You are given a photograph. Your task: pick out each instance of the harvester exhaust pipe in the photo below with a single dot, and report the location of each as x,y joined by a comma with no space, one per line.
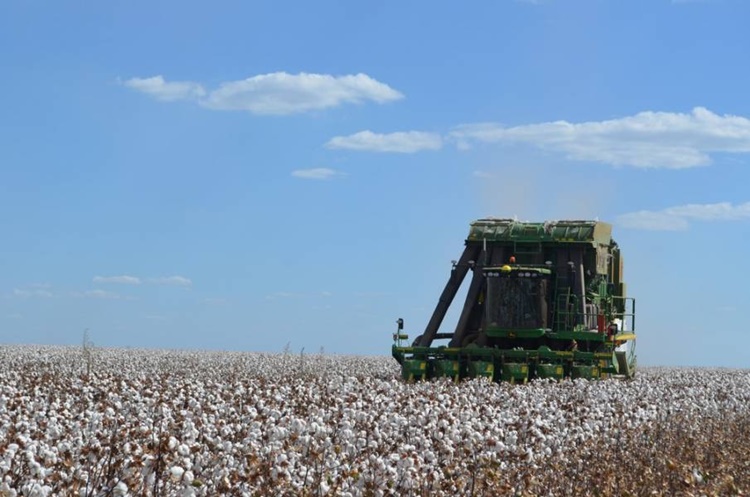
582,294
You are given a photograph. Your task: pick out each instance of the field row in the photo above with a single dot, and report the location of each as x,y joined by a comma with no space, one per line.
142,422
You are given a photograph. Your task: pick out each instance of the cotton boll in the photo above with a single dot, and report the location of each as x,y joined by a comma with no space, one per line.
7,491
36,490
120,490
175,473
356,430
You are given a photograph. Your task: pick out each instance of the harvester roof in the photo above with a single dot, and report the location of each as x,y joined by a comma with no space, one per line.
564,231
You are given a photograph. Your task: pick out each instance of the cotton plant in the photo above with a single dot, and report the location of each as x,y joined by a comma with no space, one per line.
194,423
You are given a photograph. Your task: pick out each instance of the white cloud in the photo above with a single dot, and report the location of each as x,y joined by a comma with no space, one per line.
646,140
123,279
34,292
405,142
172,280
135,280
101,294
316,173
678,218
276,93
282,93
654,221
172,91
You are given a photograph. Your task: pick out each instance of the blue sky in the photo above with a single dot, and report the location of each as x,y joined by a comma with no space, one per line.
243,175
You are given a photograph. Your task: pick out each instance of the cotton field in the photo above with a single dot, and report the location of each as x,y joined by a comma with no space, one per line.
177,423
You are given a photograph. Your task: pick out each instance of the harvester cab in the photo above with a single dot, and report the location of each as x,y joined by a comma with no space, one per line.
546,300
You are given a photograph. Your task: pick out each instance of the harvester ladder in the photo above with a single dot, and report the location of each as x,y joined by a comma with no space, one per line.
562,303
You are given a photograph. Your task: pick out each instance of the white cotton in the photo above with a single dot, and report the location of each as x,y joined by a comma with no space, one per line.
120,489
176,473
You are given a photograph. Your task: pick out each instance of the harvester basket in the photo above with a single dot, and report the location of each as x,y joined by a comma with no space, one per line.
586,372
515,372
555,371
414,370
481,369
445,368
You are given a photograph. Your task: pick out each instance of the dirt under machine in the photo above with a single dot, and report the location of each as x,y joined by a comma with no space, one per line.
546,300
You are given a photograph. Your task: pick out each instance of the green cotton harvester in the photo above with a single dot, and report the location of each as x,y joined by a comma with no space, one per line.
546,300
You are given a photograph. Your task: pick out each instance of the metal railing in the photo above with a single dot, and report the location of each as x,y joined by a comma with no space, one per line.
569,315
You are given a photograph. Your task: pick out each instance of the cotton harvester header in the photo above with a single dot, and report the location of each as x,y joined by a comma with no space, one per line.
546,300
